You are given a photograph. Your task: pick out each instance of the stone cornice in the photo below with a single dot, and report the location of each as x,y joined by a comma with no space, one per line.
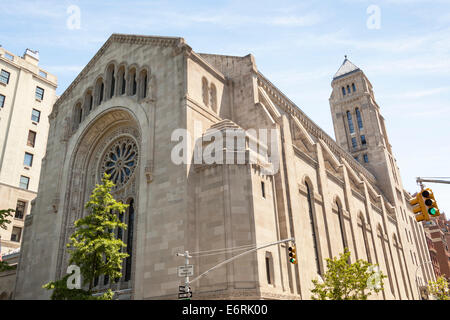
197,58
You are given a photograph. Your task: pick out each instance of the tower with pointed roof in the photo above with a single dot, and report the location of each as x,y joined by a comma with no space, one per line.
360,128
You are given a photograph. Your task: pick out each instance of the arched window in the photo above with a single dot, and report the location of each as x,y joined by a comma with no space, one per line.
385,256
78,114
350,122
348,89
99,89
313,228
111,81
133,82
88,102
213,98
343,91
205,92
358,118
341,225
130,227
122,82
143,82
364,234
353,87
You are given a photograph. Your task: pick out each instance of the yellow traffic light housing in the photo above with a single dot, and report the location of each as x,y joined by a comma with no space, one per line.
430,204
419,207
293,255
425,204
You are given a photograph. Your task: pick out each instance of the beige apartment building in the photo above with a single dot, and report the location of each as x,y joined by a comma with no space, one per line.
27,94
125,114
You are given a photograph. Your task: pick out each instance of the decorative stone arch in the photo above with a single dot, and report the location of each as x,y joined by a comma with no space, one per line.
88,100
99,90
213,97
132,81
205,91
337,203
110,79
143,80
309,189
121,83
77,114
87,154
362,224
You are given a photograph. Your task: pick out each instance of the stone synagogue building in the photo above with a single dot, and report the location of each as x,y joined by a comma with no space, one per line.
118,116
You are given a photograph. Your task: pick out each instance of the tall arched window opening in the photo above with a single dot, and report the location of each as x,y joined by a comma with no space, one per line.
130,227
341,225
205,91
359,119
213,98
350,122
313,228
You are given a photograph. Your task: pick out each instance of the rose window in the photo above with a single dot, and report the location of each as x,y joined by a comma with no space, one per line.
120,161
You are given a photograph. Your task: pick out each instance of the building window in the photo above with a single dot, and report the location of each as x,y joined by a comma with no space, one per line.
348,89
358,118
354,144
366,158
353,87
16,233
350,122
4,76
24,182
31,138
356,158
263,189
129,243
363,140
2,100
343,91
205,91
28,160
35,115
20,209
269,280
341,226
313,228
39,93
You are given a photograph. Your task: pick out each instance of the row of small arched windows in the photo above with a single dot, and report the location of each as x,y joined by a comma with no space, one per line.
348,91
117,82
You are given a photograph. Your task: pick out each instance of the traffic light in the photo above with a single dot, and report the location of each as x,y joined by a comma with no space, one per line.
292,255
419,207
425,204
430,203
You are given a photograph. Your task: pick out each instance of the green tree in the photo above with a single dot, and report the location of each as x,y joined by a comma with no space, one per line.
4,214
93,246
347,281
439,288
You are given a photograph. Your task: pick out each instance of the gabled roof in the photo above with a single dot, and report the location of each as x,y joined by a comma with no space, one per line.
346,68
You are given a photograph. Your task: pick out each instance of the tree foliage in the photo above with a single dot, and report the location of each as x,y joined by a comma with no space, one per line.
439,288
4,214
348,281
93,246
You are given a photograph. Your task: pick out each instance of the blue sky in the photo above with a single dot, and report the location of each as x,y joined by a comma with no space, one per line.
298,45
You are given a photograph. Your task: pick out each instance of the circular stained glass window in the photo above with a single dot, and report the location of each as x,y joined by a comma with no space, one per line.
120,161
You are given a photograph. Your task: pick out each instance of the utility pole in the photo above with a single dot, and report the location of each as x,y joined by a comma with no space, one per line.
189,269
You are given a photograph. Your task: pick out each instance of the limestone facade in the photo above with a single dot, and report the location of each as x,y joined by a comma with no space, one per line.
126,105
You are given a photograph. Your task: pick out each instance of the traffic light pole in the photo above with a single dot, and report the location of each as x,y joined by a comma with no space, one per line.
238,256
186,278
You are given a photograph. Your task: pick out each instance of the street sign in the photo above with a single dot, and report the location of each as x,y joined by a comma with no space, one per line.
184,295
186,271
183,288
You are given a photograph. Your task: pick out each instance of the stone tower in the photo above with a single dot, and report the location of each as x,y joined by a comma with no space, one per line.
360,129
